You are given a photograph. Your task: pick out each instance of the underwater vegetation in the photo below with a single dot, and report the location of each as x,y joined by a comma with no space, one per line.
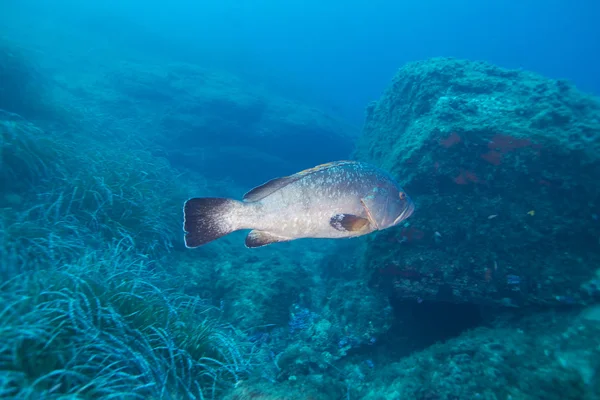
100,299
54,191
87,309
103,327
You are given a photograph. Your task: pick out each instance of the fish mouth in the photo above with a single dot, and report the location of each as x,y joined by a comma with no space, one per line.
407,212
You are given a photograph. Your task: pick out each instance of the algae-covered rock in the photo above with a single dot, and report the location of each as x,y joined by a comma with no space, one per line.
22,87
290,390
504,167
352,317
211,118
551,356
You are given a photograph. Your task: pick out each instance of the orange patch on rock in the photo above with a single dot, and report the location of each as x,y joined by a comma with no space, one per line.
465,177
493,157
451,140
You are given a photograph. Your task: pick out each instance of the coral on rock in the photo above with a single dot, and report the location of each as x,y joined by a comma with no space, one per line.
203,118
503,166
550,355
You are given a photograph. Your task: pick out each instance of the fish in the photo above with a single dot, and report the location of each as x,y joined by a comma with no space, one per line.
340,199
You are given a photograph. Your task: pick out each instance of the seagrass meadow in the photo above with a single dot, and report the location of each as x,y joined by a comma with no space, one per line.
490,291
88,306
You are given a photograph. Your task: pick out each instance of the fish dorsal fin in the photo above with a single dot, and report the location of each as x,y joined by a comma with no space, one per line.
262,191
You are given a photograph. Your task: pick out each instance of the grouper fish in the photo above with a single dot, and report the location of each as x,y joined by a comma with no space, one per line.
341,199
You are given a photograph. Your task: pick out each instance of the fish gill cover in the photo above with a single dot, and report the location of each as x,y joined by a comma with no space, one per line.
100,299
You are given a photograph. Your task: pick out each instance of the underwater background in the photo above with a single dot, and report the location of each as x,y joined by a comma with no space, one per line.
114,113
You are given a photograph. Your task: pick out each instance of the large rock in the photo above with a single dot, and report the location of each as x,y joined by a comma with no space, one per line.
22,88
505,168
550,356
225,127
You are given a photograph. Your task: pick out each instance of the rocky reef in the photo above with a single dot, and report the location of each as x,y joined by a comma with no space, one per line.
217,123
23,87
551,355
493,282
91,189
503,165
499,264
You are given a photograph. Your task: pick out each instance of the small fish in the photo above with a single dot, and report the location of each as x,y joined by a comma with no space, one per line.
341,199
531,213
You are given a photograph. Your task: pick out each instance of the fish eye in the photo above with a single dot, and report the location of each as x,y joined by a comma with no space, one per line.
402,196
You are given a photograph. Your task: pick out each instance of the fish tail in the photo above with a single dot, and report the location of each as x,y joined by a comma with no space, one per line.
208,218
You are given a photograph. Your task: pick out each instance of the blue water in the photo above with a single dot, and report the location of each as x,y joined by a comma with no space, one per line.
114,113
342,54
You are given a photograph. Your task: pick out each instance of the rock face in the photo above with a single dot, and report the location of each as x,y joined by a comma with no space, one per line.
228,127
551,356
22,90
504,166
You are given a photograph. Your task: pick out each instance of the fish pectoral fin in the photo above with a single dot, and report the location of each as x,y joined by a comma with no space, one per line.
348,223
258,238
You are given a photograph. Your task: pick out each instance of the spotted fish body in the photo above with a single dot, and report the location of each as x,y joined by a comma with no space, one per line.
336,200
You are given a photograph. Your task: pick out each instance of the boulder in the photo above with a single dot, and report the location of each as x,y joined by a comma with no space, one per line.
550,355
227,128
504,168
22,87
